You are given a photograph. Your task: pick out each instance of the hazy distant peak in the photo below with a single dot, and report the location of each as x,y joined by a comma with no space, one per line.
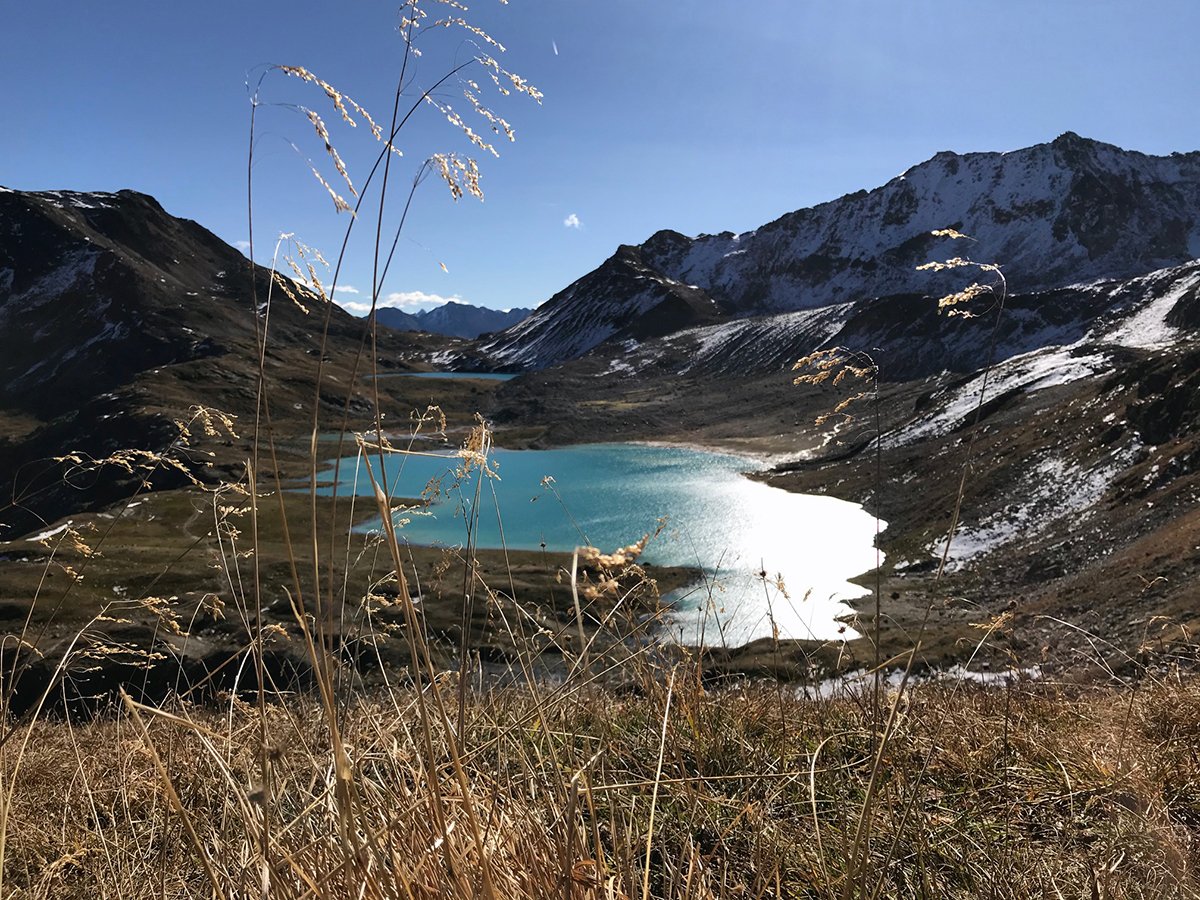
452,318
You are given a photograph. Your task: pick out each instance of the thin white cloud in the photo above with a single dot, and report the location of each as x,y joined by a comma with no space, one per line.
409,301
572,221
346,289
244,246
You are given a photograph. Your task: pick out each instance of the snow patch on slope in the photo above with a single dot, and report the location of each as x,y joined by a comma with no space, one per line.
758,344
78,199
1053,490
52,532
1028,372
1147,328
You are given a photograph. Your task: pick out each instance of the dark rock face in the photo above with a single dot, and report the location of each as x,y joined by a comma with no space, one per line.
97,288
1055,214
148,669
1186,312
1168,405
115,319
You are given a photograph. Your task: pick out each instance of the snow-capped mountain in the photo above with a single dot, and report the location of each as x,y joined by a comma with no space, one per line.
1065,212
454,319
625,298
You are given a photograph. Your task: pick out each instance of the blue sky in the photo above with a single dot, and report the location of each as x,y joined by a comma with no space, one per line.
701,116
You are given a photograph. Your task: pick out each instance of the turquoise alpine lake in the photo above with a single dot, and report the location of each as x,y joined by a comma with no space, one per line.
609,495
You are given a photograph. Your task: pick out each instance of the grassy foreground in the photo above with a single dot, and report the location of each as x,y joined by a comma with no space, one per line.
663,790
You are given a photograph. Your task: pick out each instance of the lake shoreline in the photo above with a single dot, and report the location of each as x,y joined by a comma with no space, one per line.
718,519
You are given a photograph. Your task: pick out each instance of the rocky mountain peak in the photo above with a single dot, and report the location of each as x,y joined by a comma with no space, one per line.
1068,211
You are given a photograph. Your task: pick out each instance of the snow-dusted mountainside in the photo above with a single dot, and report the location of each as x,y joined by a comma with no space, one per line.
1129,315
1070,211
623,299
909,339
453,319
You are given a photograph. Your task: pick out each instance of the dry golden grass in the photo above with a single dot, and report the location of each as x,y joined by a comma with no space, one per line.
573,790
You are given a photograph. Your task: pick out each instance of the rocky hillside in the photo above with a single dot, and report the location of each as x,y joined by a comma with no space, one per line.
1066,212
97,288
117,317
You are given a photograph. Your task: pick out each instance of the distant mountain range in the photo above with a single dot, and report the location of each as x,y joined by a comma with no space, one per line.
454,319
1066,212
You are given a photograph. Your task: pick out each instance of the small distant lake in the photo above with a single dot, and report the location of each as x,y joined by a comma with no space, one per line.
477,376
609,495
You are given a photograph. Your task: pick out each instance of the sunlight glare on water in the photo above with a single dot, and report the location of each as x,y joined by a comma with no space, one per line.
609,495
